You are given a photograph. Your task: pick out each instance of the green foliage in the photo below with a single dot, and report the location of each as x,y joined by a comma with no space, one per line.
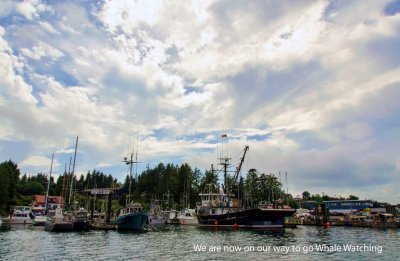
181,182
261,187
306,195
33,188
23,200
9,175
352,197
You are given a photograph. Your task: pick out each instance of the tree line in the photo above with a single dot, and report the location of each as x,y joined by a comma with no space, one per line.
177,185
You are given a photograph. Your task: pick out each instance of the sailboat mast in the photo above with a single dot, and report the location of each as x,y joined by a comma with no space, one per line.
73,170
48,184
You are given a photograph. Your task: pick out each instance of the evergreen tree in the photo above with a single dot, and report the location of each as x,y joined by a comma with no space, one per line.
9,176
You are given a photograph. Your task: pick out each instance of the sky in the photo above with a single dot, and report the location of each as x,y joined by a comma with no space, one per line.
312,88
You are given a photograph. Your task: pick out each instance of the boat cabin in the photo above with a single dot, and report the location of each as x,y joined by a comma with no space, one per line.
131,208
216,200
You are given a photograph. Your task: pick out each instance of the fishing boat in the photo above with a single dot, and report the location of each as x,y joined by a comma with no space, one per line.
80,220
155,214
171,217
19,215
58,223
188,217
132,217
224,210
100,222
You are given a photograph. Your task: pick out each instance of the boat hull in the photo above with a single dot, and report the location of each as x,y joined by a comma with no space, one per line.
249,219
39,221
156,220
13,221
58,227
81,225
131,221
189,221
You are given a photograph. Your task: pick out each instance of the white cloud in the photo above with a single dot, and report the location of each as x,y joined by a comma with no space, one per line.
297,81
30,9
37,161
42,50
127,15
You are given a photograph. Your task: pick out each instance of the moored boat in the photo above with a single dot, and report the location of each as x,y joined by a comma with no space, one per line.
80,220
171,217
224,210
19,215
220,210
155,215
39,220
58,223
188,217
131,217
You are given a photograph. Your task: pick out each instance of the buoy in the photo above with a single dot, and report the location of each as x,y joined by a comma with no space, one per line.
328,225
183,222
216,222
235,226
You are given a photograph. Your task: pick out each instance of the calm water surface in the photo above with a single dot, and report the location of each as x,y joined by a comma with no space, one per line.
192,243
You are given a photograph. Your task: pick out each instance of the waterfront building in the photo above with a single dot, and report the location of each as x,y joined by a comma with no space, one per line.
343,206
39,202
347,206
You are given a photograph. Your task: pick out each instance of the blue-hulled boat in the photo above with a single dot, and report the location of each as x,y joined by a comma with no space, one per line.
131,217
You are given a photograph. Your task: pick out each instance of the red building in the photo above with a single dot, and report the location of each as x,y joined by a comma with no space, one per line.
39,202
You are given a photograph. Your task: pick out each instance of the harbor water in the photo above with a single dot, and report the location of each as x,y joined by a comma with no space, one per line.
25,242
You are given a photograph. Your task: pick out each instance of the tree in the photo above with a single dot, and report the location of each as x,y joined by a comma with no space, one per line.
9,175
252,188
209,180
33,188
352,197
306,195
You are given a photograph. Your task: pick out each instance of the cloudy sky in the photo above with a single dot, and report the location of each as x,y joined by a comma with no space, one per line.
312,87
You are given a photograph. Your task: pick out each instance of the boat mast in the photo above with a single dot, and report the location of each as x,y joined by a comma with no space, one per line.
48,184
73,170
130,162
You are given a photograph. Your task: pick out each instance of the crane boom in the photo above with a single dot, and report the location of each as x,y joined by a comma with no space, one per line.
241,163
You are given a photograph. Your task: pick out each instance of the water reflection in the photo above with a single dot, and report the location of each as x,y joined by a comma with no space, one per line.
169,242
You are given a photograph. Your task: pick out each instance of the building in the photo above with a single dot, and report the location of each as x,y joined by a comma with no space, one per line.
39,203
342,206
347,206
